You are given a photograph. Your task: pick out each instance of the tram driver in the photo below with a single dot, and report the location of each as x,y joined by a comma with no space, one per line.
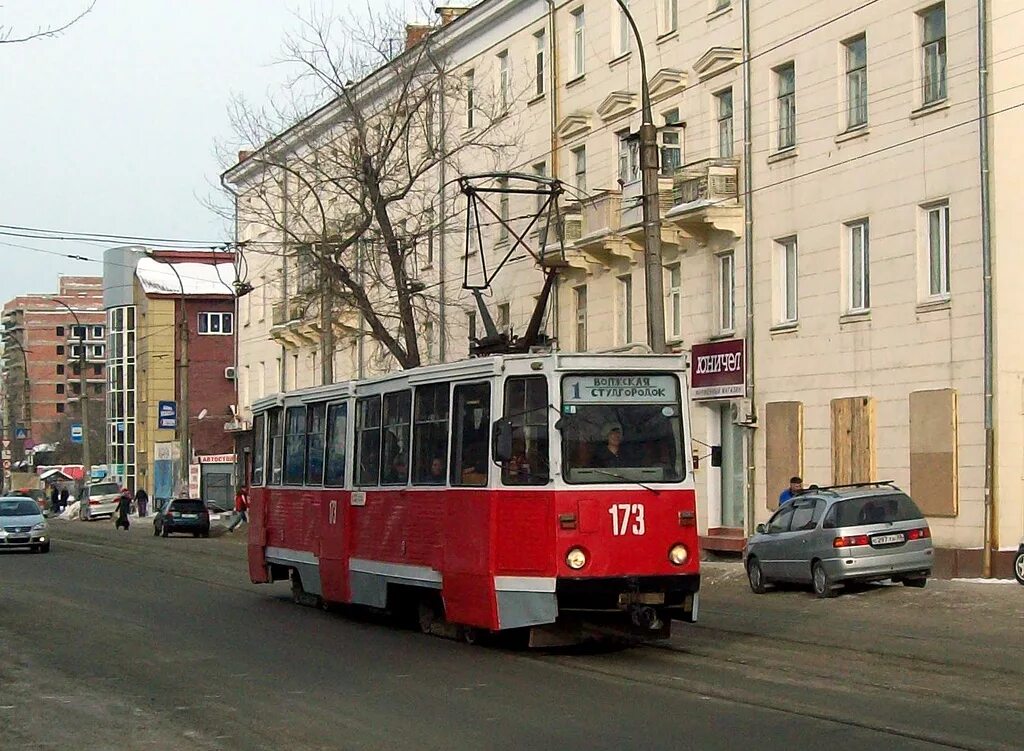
612,453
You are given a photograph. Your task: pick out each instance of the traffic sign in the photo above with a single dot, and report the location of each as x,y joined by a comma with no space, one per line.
20,432
7,474
6,443
7,463
5,454
76,432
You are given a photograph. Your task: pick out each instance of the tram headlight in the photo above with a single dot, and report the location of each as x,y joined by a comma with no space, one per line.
678,555
576,558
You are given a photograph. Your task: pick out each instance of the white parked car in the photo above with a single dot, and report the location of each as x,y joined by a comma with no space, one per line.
99,500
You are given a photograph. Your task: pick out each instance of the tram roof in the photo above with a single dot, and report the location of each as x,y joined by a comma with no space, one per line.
477,367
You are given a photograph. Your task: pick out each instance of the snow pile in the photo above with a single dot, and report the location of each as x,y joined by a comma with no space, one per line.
986,581
71,512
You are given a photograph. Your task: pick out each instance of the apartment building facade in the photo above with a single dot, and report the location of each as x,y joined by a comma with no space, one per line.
836,261
171,320
47,340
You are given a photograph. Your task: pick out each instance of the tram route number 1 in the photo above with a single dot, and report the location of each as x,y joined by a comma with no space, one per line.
627,518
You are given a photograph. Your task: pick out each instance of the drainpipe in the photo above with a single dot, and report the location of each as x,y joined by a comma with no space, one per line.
553,67
748,267
284,271
991,541
442,217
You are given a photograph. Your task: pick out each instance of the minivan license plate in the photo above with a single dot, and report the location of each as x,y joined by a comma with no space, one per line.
190,516
888,539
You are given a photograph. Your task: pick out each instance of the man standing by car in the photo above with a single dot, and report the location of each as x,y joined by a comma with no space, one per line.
796,487
241,506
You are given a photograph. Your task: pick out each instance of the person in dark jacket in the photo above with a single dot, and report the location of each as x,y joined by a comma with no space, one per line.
54,500
141,501
124,507
63,499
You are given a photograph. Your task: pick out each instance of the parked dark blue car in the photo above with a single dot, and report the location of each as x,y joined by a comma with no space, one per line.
183,515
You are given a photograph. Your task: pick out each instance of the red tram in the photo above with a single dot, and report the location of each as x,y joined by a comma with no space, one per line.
552,494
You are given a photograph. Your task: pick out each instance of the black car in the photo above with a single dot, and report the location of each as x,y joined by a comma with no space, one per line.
183,515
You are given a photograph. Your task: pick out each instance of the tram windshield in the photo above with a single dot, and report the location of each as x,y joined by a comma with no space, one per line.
621,428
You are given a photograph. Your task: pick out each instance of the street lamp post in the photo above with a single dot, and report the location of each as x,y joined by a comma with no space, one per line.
651,207
83,398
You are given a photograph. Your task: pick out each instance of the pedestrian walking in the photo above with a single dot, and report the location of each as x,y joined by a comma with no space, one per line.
54,500
141,501
241,507
63,499
124,507
796,487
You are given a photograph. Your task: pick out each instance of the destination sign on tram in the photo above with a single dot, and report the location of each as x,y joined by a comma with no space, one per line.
620,389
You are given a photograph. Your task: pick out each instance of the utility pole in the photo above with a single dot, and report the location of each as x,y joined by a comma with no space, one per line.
83,398
653,274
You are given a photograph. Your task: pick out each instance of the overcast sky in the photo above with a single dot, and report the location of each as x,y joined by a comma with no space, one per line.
112,127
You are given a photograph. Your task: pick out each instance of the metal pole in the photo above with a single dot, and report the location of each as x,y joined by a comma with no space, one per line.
326,322
83,399
653,274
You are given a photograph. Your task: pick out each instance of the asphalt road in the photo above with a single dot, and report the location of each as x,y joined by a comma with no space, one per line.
127,641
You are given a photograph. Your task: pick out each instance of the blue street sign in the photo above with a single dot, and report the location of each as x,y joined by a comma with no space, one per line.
167,417
76,432
20,432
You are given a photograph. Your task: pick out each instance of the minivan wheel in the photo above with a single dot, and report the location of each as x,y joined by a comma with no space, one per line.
756,577
1018,567
823,586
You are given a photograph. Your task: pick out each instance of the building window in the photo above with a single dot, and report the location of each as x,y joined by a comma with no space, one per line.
471,325
669,12
97,388
933,54
675,301
580,293
78,332
470,83
937,218
504,316
76,388
215,323
97,370
726,292
76,369
540,170
429,220
785,85
60,409
579,158
428,338
97,332
60,388
629,158
60,331
60,349
503,210
860,296
856,82
721,4
60,370
671,143
625,33
504,82
97,350
77,350
540,38
625,309
786,254
723,99
578,51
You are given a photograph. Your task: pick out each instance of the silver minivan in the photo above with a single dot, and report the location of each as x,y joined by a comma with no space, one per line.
827,536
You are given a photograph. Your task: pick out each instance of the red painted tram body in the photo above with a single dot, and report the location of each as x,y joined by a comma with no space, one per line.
488,495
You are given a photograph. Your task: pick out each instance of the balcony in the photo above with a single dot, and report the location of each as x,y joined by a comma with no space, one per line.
291,322
599,238
706,198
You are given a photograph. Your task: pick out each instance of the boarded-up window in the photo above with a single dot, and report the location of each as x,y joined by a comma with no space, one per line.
784,446
933,451
853,440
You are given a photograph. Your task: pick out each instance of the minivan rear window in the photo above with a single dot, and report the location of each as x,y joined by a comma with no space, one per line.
876,509
109,488
189,507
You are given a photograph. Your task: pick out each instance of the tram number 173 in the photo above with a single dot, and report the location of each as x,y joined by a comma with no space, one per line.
627,518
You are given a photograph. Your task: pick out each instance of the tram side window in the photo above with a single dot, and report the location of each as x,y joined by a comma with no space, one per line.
395,449
526,408
337,428
259,425
315,444
430,435
275,458
368,440
471,420
294,445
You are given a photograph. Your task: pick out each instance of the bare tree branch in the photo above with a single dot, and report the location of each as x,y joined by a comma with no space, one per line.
7,33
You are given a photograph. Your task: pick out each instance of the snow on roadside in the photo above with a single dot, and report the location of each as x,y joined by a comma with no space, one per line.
985,581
